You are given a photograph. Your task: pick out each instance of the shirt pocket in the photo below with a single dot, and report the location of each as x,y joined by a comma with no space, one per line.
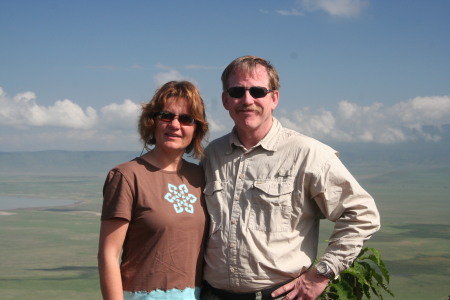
215,203
271,207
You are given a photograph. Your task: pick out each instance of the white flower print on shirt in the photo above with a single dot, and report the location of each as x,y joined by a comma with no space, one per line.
181,199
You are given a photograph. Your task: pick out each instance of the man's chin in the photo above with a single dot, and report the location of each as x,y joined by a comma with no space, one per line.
248,113
247,123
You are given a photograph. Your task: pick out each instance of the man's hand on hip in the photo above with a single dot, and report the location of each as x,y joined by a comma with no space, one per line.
308,286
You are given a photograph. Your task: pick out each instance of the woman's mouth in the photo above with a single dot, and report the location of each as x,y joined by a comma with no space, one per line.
173,135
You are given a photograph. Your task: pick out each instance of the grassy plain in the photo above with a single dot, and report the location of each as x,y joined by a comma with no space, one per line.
50,253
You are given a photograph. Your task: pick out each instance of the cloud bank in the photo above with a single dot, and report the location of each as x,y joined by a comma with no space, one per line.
27,125
22,110
402,122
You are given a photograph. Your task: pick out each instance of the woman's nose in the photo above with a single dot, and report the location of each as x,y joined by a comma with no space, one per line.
175,123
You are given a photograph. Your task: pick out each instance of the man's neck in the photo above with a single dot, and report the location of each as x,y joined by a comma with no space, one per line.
251,138
248,141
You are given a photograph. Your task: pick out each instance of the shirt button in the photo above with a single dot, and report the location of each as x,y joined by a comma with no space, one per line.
233,221
241,176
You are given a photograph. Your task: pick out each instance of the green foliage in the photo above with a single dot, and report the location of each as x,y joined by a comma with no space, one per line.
366,277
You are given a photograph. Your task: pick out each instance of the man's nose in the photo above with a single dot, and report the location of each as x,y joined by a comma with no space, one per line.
247,98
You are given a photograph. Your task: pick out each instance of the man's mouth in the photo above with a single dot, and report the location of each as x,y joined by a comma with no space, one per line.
248,109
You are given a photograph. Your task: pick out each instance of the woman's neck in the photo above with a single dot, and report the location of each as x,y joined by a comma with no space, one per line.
164,160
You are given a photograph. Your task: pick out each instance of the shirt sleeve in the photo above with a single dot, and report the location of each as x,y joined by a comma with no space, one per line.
117,196
342,200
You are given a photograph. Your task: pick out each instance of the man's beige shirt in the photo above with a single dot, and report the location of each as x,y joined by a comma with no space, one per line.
265,205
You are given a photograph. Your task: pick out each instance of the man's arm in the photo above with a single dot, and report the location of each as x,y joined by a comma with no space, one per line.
342,200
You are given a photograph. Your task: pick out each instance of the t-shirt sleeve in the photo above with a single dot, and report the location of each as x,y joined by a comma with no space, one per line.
118,196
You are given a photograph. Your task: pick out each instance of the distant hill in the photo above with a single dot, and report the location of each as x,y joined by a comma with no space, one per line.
411,153
352,154
426,153
54,161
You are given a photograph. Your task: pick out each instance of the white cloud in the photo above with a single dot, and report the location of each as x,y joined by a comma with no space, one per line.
216,127
23,110
336,8
25,124
63,113
163,77
320,124
170,74
433,110
120,116
402,122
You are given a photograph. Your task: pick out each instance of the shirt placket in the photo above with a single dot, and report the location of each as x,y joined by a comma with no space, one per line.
236,212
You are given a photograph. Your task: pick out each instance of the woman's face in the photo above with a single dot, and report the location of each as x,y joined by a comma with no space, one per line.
172,136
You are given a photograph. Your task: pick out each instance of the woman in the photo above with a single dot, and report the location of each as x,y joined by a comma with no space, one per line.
153,209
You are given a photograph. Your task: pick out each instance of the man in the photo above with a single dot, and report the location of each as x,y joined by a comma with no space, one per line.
267,187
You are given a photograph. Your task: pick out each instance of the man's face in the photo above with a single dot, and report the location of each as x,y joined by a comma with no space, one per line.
252,116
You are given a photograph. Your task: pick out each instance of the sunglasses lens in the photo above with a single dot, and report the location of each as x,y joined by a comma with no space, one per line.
236,92
166,116
258,92
255,91
185,119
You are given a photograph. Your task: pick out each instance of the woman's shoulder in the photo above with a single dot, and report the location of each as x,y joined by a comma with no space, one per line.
192,165
128,167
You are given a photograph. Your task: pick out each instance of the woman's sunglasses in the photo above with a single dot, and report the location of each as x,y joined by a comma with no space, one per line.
168,117
255,91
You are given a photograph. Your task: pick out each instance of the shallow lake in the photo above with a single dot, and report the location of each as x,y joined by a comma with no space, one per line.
13,202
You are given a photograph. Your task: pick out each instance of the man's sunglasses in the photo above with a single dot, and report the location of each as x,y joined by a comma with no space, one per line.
168,117
255,91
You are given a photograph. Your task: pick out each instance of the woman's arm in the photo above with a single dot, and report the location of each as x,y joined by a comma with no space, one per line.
112,236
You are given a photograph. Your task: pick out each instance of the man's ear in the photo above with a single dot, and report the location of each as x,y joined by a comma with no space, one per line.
275,98
225,100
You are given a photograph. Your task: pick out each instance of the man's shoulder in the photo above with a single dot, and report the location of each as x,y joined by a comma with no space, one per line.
219,142
293,138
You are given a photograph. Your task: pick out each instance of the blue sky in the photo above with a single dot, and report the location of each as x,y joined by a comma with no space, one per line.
73,73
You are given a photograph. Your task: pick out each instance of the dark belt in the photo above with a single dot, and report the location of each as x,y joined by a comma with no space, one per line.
227,295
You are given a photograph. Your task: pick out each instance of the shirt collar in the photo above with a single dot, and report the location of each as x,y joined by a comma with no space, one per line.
269,142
